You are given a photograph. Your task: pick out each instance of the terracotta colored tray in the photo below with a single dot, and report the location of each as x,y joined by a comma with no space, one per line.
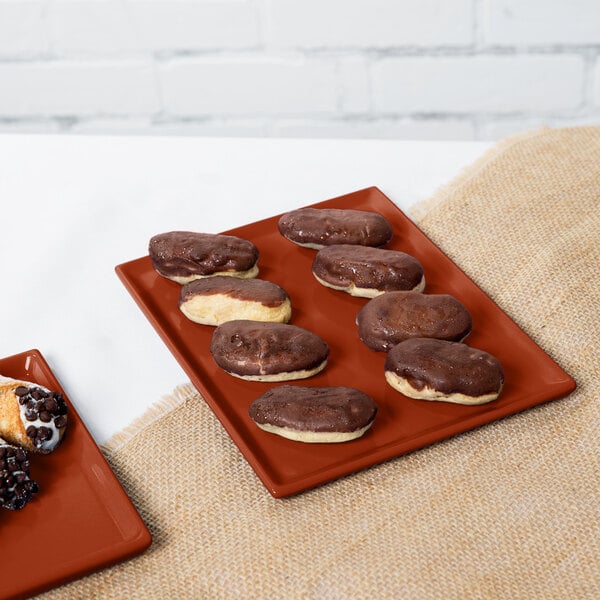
287,467
81,520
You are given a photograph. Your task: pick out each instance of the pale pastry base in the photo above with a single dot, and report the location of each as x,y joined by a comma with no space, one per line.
215,309
285,376
307,245
366,292
315,437
401,385
249,274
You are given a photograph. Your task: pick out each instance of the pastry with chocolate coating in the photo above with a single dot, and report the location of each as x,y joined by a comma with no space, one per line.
318,227
262,351
367,272
31,416
184,256
394,317
314,414
430,369
16,486
215,300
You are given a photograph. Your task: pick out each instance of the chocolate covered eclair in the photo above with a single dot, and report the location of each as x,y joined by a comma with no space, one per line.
263,351
183,256
314,414
430,369
215,300
318,227
367,272
394,317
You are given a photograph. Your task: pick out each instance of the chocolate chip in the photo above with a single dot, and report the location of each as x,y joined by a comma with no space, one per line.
60,421
62,405
31,415
31,431
51,405
21,391
45,416
44,433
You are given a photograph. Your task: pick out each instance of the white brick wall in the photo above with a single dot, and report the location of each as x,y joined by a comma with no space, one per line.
470,84
194,25
369,23
420,69
78,89
23,29
525,22
248,86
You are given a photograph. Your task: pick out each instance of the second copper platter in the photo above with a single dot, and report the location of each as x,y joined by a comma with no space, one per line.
403,424
81,520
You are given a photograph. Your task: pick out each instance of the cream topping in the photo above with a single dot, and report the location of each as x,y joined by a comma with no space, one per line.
45,445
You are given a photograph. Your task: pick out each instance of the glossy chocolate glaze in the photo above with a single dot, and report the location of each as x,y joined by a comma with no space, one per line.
185,253
394,317
447,367
263,348
328,226
365,267
327,409
253,290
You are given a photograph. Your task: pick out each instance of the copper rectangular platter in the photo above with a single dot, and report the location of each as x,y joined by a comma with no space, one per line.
80,521
403,425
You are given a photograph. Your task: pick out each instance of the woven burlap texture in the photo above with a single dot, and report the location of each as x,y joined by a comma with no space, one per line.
510,510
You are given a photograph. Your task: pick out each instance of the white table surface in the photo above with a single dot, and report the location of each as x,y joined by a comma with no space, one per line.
74,207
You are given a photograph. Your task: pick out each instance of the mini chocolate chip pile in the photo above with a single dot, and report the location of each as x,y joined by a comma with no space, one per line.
16,487
45,410
32,419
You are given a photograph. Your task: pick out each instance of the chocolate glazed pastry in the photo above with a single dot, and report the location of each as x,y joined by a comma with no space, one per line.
431,369
183,256
216,300
260,351
367,272
314,414
31,416
318,227
16,487
394,317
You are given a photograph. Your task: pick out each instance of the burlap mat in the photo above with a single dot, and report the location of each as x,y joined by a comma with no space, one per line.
510,510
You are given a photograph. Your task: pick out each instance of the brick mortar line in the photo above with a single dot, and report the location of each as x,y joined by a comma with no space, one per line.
161,57
164,118
383,52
